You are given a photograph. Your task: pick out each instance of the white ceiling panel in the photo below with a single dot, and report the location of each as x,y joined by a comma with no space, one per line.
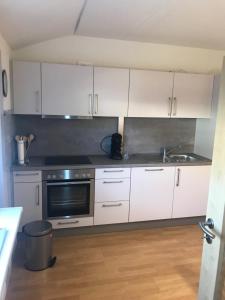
23,22
197,23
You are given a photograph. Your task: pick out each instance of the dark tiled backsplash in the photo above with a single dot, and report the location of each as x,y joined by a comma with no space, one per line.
75,137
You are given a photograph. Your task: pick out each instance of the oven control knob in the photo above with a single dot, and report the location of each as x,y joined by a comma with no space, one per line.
49,177
88,175
83,175
54,176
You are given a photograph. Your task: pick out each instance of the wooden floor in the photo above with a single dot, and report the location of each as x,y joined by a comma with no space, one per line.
132,265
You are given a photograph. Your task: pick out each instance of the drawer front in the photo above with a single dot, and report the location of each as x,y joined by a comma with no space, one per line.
70,223
27,176
111,212
112,173
112,189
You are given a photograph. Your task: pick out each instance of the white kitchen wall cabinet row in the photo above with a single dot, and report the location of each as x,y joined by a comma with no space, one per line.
59,89
145,194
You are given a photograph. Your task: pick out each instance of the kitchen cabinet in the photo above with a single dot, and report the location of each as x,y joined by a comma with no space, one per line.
112,193
28,194
110,92
167,94
151,195
191,191
192,95
27,87
67,89
150,93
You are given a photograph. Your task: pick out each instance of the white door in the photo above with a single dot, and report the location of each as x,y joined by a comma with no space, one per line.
150,94
111,92
151,195
28,196
191,191
67,90
192,95
27,87
212,268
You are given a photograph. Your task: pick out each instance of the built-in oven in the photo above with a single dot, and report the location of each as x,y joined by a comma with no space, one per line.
68,193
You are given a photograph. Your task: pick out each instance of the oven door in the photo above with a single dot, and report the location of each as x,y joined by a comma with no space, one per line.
67,199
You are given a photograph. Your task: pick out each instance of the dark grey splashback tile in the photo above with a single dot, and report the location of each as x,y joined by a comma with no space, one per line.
65,137
148,135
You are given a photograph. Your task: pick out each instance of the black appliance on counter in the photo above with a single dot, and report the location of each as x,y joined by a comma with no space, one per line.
114,150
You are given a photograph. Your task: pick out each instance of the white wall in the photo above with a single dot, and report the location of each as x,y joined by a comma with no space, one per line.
5,61
205,128
108,52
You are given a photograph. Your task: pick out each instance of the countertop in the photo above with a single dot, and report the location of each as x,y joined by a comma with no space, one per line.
103,161
9,219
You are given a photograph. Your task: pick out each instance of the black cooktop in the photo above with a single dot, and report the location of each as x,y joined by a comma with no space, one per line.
67,160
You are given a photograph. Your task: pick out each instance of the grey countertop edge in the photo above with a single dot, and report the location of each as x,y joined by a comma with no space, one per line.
108,163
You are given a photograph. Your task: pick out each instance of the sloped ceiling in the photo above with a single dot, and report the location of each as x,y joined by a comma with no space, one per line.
191,23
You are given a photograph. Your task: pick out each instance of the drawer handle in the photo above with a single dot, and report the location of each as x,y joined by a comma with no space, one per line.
113,171
68,223
178,177
30,174
112,205
153,170
121,181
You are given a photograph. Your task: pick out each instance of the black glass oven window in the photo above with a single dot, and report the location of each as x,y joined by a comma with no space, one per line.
68,200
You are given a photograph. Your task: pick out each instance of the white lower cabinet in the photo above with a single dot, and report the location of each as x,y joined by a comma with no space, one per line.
111,212
112,189
191,191
151,195
28,194
71,223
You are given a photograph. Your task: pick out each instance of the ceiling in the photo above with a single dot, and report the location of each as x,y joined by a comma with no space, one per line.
192,23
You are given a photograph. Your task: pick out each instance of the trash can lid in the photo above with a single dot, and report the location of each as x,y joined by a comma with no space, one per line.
37,228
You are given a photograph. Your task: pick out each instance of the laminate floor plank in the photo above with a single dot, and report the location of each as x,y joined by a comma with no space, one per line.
149,264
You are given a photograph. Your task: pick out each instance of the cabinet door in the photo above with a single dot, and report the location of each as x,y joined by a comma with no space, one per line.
192,95
27,87
150,94
67,89
111,212
151,193
112,189
191,191
29,196
111,92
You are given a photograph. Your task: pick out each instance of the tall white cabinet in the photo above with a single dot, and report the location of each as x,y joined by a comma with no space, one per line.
151,196
191,191
27,87
110,92
150,93
67,89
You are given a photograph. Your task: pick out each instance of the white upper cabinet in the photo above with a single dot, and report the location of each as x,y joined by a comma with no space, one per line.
191,191
110,92
151,195
27,87
192,95
67,89
150,94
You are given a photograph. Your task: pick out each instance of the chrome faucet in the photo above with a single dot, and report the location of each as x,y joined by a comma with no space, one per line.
166,152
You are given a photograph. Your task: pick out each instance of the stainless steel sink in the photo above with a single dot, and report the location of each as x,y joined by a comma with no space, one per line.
181,158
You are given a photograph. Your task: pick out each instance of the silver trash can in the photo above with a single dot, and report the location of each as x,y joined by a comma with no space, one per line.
38,245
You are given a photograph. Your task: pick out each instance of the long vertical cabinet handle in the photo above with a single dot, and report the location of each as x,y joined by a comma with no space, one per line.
178,177
37,101
174,106
37,195
170,103
96,104
90,104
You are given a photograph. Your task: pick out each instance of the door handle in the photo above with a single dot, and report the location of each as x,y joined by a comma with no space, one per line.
208,235
178,177
174,106
96,104
37,102
37,195
170,103
90,109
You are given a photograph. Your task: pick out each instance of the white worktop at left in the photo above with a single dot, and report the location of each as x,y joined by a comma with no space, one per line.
9,219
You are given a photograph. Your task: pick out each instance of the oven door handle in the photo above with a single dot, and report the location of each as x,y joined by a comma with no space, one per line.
67,183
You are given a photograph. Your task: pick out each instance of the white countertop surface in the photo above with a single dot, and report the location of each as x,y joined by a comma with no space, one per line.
9,219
